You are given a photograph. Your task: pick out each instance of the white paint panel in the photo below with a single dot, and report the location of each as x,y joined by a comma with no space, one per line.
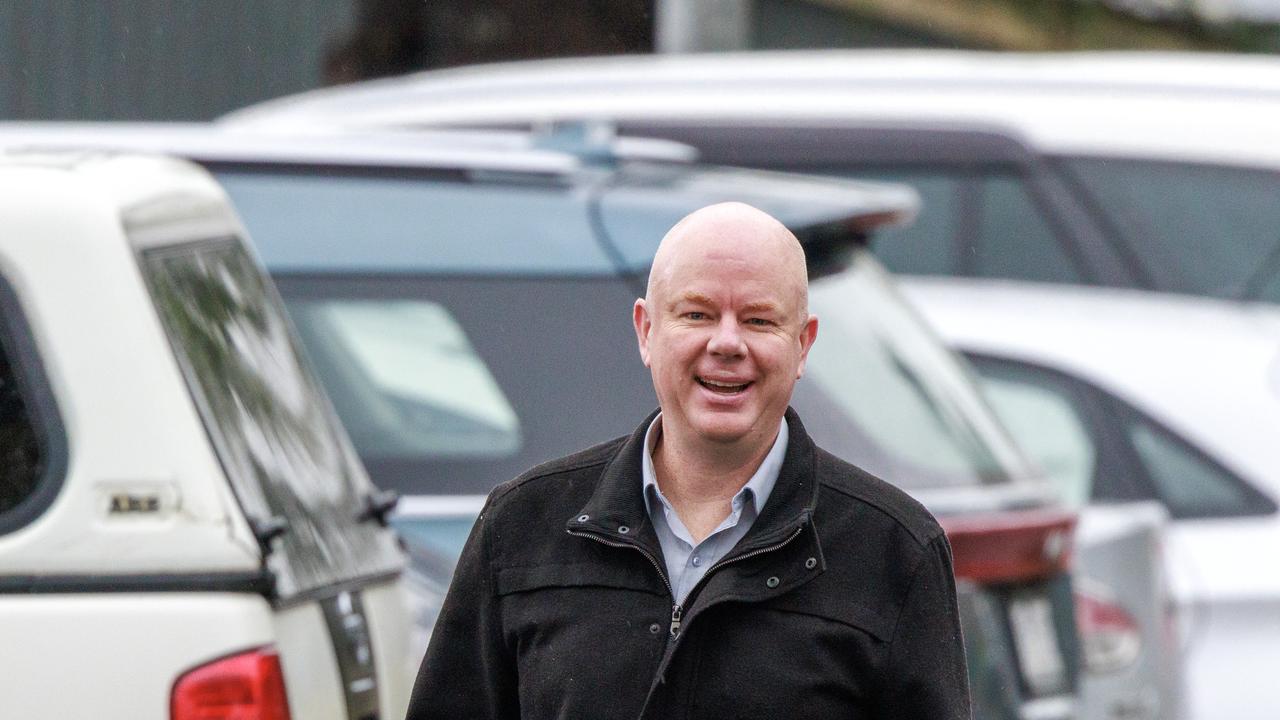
116,656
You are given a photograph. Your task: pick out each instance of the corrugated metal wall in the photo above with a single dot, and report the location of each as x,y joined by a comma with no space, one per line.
160,59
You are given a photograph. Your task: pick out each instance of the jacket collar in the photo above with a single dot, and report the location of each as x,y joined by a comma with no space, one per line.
616,509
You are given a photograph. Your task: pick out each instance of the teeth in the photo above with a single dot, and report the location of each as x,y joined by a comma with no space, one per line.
723,385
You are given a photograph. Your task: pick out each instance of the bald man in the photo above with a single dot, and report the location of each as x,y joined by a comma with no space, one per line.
715,563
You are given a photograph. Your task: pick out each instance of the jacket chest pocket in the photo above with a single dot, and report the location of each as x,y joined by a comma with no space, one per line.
809,657
586,636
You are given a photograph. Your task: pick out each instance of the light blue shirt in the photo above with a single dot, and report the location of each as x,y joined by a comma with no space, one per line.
686,562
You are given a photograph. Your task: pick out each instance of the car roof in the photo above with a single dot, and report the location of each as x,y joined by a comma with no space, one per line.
1202,107
156,199
798,200
1209,369
505,152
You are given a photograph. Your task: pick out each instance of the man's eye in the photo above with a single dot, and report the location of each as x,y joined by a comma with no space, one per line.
758,321
695,315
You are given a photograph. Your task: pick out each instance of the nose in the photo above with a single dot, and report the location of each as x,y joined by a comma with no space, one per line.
727,340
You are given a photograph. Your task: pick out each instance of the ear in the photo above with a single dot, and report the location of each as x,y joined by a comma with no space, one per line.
643,324
808,334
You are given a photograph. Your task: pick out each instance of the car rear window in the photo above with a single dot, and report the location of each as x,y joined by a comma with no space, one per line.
272,428
525,370
455,378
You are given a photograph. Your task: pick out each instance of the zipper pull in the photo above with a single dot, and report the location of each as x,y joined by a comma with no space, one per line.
675,619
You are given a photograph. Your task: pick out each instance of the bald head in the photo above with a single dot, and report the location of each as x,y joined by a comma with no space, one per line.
725,329
732,232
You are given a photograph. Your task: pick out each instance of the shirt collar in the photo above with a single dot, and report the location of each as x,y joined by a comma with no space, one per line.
756,491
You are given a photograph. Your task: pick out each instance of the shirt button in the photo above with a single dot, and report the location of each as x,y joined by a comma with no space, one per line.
697,561
655,628
811,563
772,582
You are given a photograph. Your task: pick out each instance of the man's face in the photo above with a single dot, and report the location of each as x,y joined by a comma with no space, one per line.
725,334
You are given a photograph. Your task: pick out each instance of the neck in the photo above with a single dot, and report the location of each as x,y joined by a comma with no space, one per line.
699,472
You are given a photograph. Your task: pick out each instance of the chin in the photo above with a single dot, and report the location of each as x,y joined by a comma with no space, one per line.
724,431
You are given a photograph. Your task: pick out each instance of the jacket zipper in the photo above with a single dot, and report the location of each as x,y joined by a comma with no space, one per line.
677,612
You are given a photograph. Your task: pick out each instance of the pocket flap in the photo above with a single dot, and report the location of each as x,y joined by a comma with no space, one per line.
869,620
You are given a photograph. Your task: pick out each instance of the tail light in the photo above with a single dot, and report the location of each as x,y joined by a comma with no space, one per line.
1010,546
248,686
1109,636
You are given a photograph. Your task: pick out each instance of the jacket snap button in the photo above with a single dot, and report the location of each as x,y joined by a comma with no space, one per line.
811,563
624,529
655,628
583,518
772,582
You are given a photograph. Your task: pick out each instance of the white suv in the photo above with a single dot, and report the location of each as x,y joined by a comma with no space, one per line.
185,531
1145,170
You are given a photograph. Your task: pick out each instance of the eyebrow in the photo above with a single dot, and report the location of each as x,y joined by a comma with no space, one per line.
760,307
695,298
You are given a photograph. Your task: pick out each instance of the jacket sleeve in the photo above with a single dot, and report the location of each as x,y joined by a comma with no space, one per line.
468,671
926,675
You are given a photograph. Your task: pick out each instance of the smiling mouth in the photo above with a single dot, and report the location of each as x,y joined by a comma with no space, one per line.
723,388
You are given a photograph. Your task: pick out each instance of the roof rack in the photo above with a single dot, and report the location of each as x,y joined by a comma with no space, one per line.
596,142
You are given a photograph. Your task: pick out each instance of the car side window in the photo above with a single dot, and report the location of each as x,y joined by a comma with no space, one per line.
1197,228
926,247
20,456
1012,237
32,448
1049,426
1190,484
974,223
1136,457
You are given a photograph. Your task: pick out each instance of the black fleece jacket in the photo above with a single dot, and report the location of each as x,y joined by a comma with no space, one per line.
838,603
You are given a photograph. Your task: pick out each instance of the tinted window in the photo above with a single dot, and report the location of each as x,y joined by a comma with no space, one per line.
1013,238
1112,451
416,223
1048,424
975,223
1189,483
21,460
32,447
531,369
927,246
1200,229
548,364
270,424
563,361
411,382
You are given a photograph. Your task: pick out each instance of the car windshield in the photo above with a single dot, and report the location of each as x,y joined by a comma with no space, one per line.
1195,228
274,432
453,379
